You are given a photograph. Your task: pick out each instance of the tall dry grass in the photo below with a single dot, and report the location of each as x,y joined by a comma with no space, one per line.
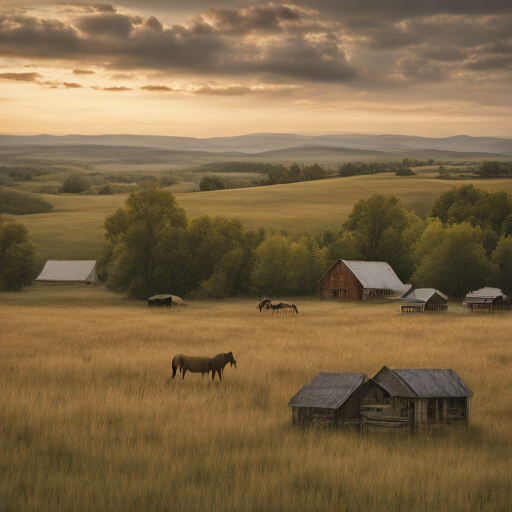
87,422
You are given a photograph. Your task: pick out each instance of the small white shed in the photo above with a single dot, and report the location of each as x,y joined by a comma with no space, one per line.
69,271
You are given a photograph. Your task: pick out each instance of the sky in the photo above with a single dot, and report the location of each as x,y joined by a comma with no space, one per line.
206,68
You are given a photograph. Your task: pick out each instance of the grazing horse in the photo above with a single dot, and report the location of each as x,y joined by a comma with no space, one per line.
218,363
264,303
201,364
284,306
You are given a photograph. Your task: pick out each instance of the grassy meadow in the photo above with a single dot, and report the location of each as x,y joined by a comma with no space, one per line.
88,423
74,228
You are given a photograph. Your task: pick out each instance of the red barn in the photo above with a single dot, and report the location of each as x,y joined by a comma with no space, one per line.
360,280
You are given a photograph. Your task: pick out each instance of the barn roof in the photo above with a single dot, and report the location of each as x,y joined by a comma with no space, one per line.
434,383
422,295
484,296
328,390
69,271
374,275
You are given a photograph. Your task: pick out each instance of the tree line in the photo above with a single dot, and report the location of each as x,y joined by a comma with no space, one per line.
151,247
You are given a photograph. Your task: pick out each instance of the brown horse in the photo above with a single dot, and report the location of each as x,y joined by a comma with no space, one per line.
264,303
200,365
284,306
218,363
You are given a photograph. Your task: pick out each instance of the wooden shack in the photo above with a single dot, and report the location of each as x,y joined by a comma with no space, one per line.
486,299
360,280
420,300
413,400
330,399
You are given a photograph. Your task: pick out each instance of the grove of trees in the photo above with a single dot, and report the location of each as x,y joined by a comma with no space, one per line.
152,248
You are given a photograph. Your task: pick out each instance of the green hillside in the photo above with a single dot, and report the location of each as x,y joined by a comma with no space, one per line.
74,229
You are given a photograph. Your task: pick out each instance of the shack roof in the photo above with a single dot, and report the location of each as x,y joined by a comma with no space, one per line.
328,390
69,271
484,296
422,295
374,275
434,383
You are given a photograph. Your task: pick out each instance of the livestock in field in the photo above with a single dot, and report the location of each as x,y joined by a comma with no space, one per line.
201,365
264,303
218,363
284,307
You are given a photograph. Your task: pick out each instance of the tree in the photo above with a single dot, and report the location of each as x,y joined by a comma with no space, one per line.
213,182
75,184
18,261
269,277
133,253
501,262
452,259
378,224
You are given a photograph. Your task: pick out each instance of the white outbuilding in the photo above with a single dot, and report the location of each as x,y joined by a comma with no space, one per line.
69,272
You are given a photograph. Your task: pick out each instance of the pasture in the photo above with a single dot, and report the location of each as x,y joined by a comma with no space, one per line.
74,228
89,424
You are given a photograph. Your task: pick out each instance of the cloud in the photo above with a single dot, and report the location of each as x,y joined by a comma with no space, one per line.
234,90
21,77
70,85
82,72
105,8
115,89
157,88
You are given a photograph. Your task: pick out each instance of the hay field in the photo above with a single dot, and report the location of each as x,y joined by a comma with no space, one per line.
88,424
74,229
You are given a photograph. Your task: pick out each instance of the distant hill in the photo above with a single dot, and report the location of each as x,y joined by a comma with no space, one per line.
257,143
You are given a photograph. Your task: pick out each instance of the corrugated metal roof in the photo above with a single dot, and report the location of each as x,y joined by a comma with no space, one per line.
69,271
484,295
430,383
422,295
328,390
376,275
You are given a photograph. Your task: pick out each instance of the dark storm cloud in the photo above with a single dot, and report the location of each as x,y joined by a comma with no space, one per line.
110,24
276,43
82,72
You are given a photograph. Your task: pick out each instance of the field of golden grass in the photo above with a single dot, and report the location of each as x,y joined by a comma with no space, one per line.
74,230
88,423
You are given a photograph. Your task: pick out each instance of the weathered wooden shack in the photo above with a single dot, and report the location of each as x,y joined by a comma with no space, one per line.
486,299
330,399
419,300
360,280
414,400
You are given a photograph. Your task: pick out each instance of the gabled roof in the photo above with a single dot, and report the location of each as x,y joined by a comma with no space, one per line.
328,390
434,383
374,275
484,296
422,294
69,271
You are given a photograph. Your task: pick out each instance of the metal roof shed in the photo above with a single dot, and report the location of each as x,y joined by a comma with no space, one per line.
329,399
424,299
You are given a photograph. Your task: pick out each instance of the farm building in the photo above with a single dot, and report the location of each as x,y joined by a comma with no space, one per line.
360,280
69,272
329,399
486,299
414,400
419,300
